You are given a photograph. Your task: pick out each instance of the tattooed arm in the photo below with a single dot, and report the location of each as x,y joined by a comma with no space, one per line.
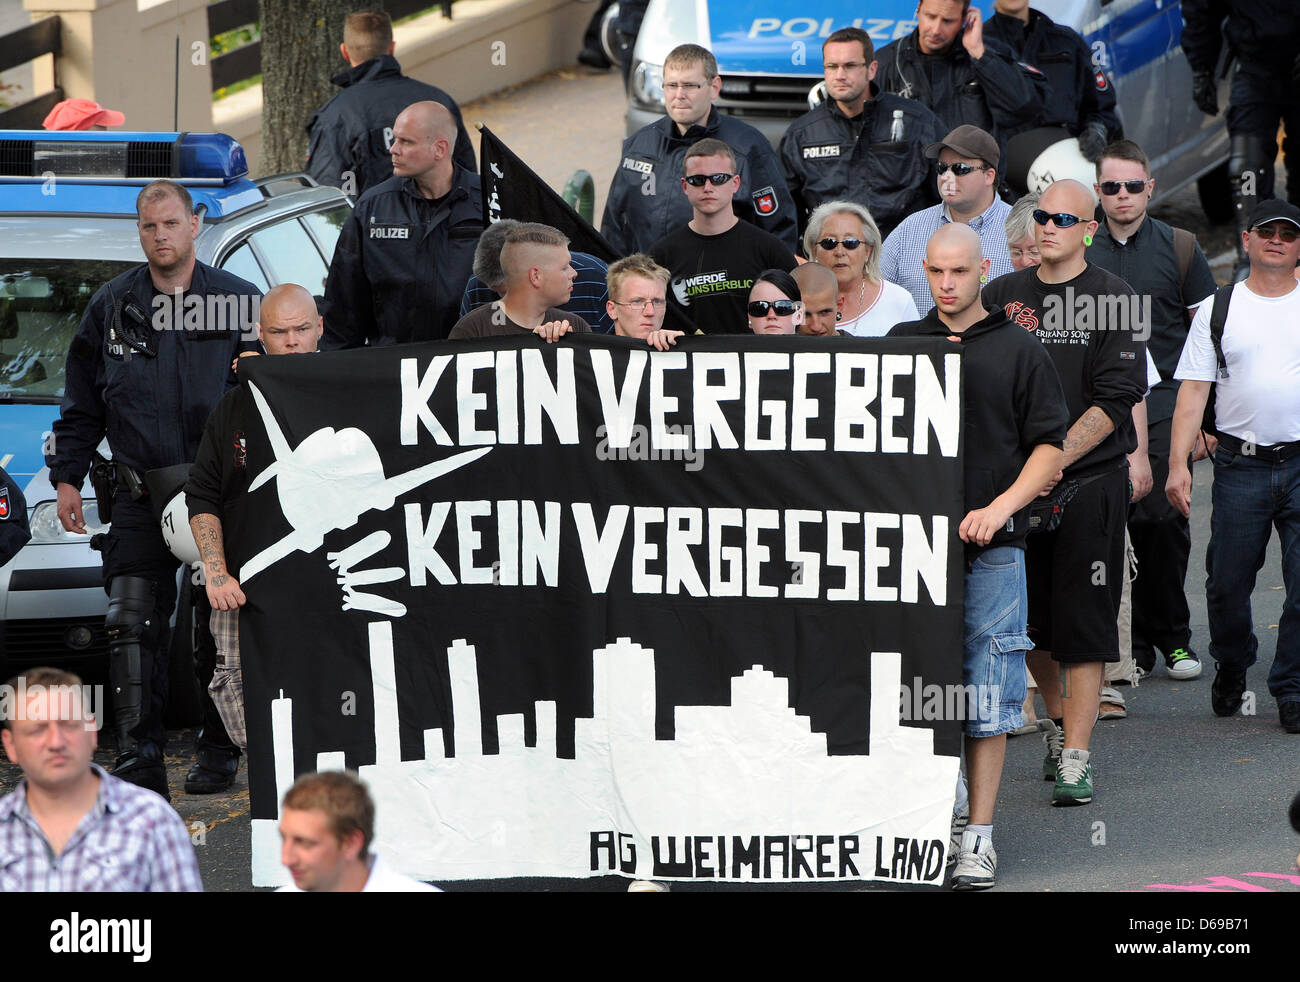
1088,431
223,589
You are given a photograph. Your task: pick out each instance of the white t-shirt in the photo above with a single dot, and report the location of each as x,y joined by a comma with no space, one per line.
382,879
1259,401
893,305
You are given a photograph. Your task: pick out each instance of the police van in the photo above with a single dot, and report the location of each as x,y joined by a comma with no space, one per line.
769,58
67,226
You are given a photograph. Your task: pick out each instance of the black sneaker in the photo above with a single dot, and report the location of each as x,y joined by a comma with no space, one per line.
1227,690
1288,714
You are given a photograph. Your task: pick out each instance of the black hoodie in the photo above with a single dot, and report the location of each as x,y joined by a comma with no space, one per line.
1011,401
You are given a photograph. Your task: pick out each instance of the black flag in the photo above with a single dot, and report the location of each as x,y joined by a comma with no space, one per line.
511,189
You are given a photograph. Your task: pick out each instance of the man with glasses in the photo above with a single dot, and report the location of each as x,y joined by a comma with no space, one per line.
1166,265
967,171
860,144
1089,321
713,259
645,200
638,299
1256,376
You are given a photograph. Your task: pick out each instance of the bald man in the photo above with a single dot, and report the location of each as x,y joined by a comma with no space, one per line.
820,290
288,324
1015,423
1093,328
407,250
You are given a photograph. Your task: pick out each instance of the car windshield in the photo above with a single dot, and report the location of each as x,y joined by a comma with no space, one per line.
41,302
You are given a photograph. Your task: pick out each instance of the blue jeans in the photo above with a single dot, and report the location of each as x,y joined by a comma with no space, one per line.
993,657
1251,497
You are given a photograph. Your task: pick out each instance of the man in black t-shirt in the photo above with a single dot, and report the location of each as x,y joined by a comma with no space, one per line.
714,258
288,324
1093,329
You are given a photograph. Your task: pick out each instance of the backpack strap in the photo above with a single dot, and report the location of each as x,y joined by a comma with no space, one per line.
1218,318
1184,249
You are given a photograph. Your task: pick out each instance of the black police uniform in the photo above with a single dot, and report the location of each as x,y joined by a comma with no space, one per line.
998,94
1080,95
1264,37
14,530
352,132
829,157
401,264
646,200
150,391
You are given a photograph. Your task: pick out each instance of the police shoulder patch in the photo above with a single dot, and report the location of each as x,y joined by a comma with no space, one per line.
765,202
4,503
1102,82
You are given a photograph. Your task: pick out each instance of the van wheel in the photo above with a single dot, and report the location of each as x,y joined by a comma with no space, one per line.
184,701
1215,191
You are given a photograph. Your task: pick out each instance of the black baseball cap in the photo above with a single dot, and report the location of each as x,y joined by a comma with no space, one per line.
1273,210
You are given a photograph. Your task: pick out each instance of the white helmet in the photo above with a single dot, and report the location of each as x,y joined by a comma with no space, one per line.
1059,161
176,530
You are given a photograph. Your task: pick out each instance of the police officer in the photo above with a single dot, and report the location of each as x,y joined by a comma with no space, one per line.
14,530
1081,97
645,200
1264,37
949,65
351,133
407,249
860,144
146,367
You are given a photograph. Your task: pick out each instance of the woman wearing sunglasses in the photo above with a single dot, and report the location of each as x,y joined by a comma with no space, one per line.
843,237
775,303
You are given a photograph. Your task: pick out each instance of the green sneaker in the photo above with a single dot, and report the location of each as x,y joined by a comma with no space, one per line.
1054,738
1073,779
1183,665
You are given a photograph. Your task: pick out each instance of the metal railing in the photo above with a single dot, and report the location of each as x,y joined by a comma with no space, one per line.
45,37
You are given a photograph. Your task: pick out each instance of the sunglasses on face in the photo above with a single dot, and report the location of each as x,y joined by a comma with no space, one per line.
717,180
782,308
1109,188
1287,233
961,170
849,243
1061,219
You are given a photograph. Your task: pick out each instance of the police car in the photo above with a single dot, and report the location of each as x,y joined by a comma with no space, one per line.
67,226
769,57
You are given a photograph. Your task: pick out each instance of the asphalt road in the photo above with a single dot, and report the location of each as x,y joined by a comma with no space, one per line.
1185,801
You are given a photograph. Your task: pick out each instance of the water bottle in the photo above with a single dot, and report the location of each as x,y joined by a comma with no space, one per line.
896,127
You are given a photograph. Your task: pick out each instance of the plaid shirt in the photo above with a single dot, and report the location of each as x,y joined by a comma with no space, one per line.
130,841
901,255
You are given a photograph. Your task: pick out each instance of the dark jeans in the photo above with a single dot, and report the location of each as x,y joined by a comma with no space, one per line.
1251,497
1163,542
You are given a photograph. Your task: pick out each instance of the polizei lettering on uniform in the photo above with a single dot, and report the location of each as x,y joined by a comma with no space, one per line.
827,150
640,166
390,231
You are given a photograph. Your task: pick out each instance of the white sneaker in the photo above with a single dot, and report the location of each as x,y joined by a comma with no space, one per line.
954,840
977,865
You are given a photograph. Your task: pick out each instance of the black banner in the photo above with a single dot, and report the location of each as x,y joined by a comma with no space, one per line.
585,608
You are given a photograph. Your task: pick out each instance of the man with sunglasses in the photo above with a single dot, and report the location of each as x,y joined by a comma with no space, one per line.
860,144
645,200
1084,316
713,259
1168,266
1257,461
967,169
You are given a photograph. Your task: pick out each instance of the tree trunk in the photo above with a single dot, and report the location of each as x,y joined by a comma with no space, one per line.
300,51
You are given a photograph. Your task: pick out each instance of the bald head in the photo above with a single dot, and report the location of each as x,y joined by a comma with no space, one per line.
819,289
955,269
956,240
1063,249
431,120
288,323
424,134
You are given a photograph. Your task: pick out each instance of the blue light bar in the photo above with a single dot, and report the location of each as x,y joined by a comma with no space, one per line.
120,158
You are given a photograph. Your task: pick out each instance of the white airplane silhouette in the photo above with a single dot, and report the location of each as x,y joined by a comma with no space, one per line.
329,481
